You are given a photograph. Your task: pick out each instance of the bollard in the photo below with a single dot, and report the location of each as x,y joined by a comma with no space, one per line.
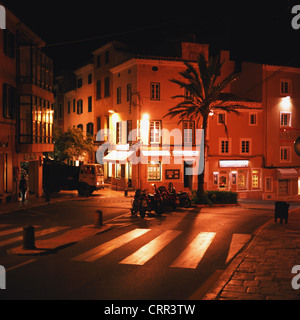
125,193
28,238
98,218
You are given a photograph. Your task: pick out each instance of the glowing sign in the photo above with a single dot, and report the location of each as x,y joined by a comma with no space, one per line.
234,163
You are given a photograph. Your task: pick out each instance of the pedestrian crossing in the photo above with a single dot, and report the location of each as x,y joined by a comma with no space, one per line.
189,258
189,255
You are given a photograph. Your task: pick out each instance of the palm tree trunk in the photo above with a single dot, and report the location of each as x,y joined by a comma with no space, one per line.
200,190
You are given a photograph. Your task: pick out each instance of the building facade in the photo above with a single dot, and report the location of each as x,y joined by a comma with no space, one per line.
26,90
139,146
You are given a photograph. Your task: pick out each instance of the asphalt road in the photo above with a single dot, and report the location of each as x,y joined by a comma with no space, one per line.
176,256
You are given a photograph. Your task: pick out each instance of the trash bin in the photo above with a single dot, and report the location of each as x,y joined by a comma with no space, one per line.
281,211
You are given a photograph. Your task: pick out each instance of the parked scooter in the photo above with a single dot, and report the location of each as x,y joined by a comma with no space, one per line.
140,203
170,199
156,201
185,200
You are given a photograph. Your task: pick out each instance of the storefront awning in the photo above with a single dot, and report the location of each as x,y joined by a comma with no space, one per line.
118,156
287,174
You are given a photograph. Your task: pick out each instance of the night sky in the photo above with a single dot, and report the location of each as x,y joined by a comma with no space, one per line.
253,31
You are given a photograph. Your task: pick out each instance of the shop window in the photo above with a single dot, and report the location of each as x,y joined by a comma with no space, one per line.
242,179
256,178
154,171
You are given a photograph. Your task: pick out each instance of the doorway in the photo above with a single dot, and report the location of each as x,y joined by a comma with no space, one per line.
188,174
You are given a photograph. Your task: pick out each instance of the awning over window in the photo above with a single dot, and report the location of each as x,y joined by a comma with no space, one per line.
287,174
118,156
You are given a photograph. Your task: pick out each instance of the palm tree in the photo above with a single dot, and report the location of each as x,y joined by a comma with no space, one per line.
204,94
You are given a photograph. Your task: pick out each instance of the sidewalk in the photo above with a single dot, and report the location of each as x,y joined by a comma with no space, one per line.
263,271
34,201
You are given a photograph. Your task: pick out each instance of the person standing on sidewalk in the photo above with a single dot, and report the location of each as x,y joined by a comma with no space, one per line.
23,187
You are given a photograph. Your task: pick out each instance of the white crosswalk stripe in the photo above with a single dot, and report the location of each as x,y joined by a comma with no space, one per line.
192,255
148,251
189,258
105,248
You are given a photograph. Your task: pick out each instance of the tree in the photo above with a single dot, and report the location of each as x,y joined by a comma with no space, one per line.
71,144
204,94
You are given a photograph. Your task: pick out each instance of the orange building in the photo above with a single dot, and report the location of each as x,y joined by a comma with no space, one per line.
26,117
134,93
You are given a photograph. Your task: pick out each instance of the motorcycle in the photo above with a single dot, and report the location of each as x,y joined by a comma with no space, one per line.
156,201
184,199
140,203
170,199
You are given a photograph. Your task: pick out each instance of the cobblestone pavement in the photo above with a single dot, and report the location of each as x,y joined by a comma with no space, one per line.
264,270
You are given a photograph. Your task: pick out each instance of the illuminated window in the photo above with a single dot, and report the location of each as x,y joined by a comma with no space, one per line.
155,91
256,178
154,171
242,179
155,132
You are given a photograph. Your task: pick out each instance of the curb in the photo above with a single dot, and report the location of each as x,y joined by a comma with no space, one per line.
213,293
